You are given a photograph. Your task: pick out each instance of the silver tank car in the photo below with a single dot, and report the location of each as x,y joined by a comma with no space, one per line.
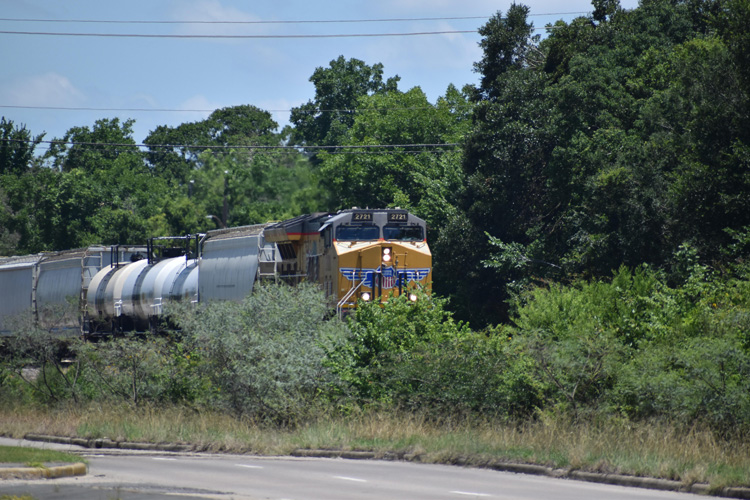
131,296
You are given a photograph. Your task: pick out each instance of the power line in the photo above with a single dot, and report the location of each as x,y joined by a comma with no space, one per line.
321,21
236,37
249,37
160,110
114,145
163,110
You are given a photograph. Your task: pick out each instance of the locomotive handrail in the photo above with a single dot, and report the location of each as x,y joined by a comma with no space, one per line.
345,298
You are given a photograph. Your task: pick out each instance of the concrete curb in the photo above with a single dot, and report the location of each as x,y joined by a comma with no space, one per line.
77,469
108,443
539,470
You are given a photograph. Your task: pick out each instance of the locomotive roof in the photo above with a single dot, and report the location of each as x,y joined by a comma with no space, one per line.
236,232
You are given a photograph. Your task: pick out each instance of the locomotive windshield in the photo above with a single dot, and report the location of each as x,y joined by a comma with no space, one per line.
357,233
403,233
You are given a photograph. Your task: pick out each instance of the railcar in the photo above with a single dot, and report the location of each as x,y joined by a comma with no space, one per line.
50,288
356,254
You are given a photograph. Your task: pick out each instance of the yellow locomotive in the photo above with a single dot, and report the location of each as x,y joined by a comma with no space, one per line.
366,254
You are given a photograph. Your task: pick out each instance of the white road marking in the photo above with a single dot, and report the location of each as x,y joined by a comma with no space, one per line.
249,466
356,480
470,494
162,458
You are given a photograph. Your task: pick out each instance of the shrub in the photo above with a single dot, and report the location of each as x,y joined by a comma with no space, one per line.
471,375
380,333
35,360
264,357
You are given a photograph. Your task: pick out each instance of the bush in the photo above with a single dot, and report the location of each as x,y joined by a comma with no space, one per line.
638,347
472,375
133,369
380,333
35,363
264,357
702,379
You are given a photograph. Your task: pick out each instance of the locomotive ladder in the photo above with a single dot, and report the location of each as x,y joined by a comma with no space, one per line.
267,265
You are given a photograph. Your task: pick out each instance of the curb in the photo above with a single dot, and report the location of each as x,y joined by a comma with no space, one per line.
538,470
77,469
108,443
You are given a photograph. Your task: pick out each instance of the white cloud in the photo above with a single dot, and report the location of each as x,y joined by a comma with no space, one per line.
48,89
213,11
197,102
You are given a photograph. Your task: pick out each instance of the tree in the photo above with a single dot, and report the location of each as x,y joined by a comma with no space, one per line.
506,43
16,148
325,120
423,180
628,140
225,161
173,151
98,190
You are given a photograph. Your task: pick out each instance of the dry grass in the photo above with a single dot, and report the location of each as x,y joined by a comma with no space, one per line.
656,450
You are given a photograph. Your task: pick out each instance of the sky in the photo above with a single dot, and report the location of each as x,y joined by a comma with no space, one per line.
53,82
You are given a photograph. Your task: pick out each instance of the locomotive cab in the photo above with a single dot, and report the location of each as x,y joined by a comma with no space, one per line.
357,254
374,254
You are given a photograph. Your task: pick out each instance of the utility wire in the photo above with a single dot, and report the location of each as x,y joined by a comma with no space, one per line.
323,21
218,147
162,110
195,36
236,37
251,37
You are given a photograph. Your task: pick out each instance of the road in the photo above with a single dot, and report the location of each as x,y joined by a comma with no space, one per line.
149,476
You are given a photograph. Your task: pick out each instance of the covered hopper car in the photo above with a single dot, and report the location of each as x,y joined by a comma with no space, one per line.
356,254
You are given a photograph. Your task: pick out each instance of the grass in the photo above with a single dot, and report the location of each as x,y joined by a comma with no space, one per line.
33,457
616,446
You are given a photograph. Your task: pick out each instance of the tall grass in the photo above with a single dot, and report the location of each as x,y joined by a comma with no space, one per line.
657,449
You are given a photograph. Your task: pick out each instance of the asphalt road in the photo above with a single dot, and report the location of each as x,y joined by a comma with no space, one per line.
144,475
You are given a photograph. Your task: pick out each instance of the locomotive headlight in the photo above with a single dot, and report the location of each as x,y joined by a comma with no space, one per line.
413,297
387,255
366,296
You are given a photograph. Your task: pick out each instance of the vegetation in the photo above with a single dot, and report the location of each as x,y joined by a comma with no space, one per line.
33,456
589,206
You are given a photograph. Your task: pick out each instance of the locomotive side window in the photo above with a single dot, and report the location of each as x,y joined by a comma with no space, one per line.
357,233
403,233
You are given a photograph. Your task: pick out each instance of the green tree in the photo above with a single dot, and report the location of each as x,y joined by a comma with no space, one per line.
222,167
325,120
423,179
98,189
627,140
16,148
173,151
506,44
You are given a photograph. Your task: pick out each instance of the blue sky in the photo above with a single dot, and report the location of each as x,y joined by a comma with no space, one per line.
170,75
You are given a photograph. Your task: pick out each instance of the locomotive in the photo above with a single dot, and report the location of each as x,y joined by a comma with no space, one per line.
356,254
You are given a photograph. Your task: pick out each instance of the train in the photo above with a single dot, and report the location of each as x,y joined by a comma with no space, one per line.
353,255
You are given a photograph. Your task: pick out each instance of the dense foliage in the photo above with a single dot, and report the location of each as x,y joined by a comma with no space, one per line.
615,140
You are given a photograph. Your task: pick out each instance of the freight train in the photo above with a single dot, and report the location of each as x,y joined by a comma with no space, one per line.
356,254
